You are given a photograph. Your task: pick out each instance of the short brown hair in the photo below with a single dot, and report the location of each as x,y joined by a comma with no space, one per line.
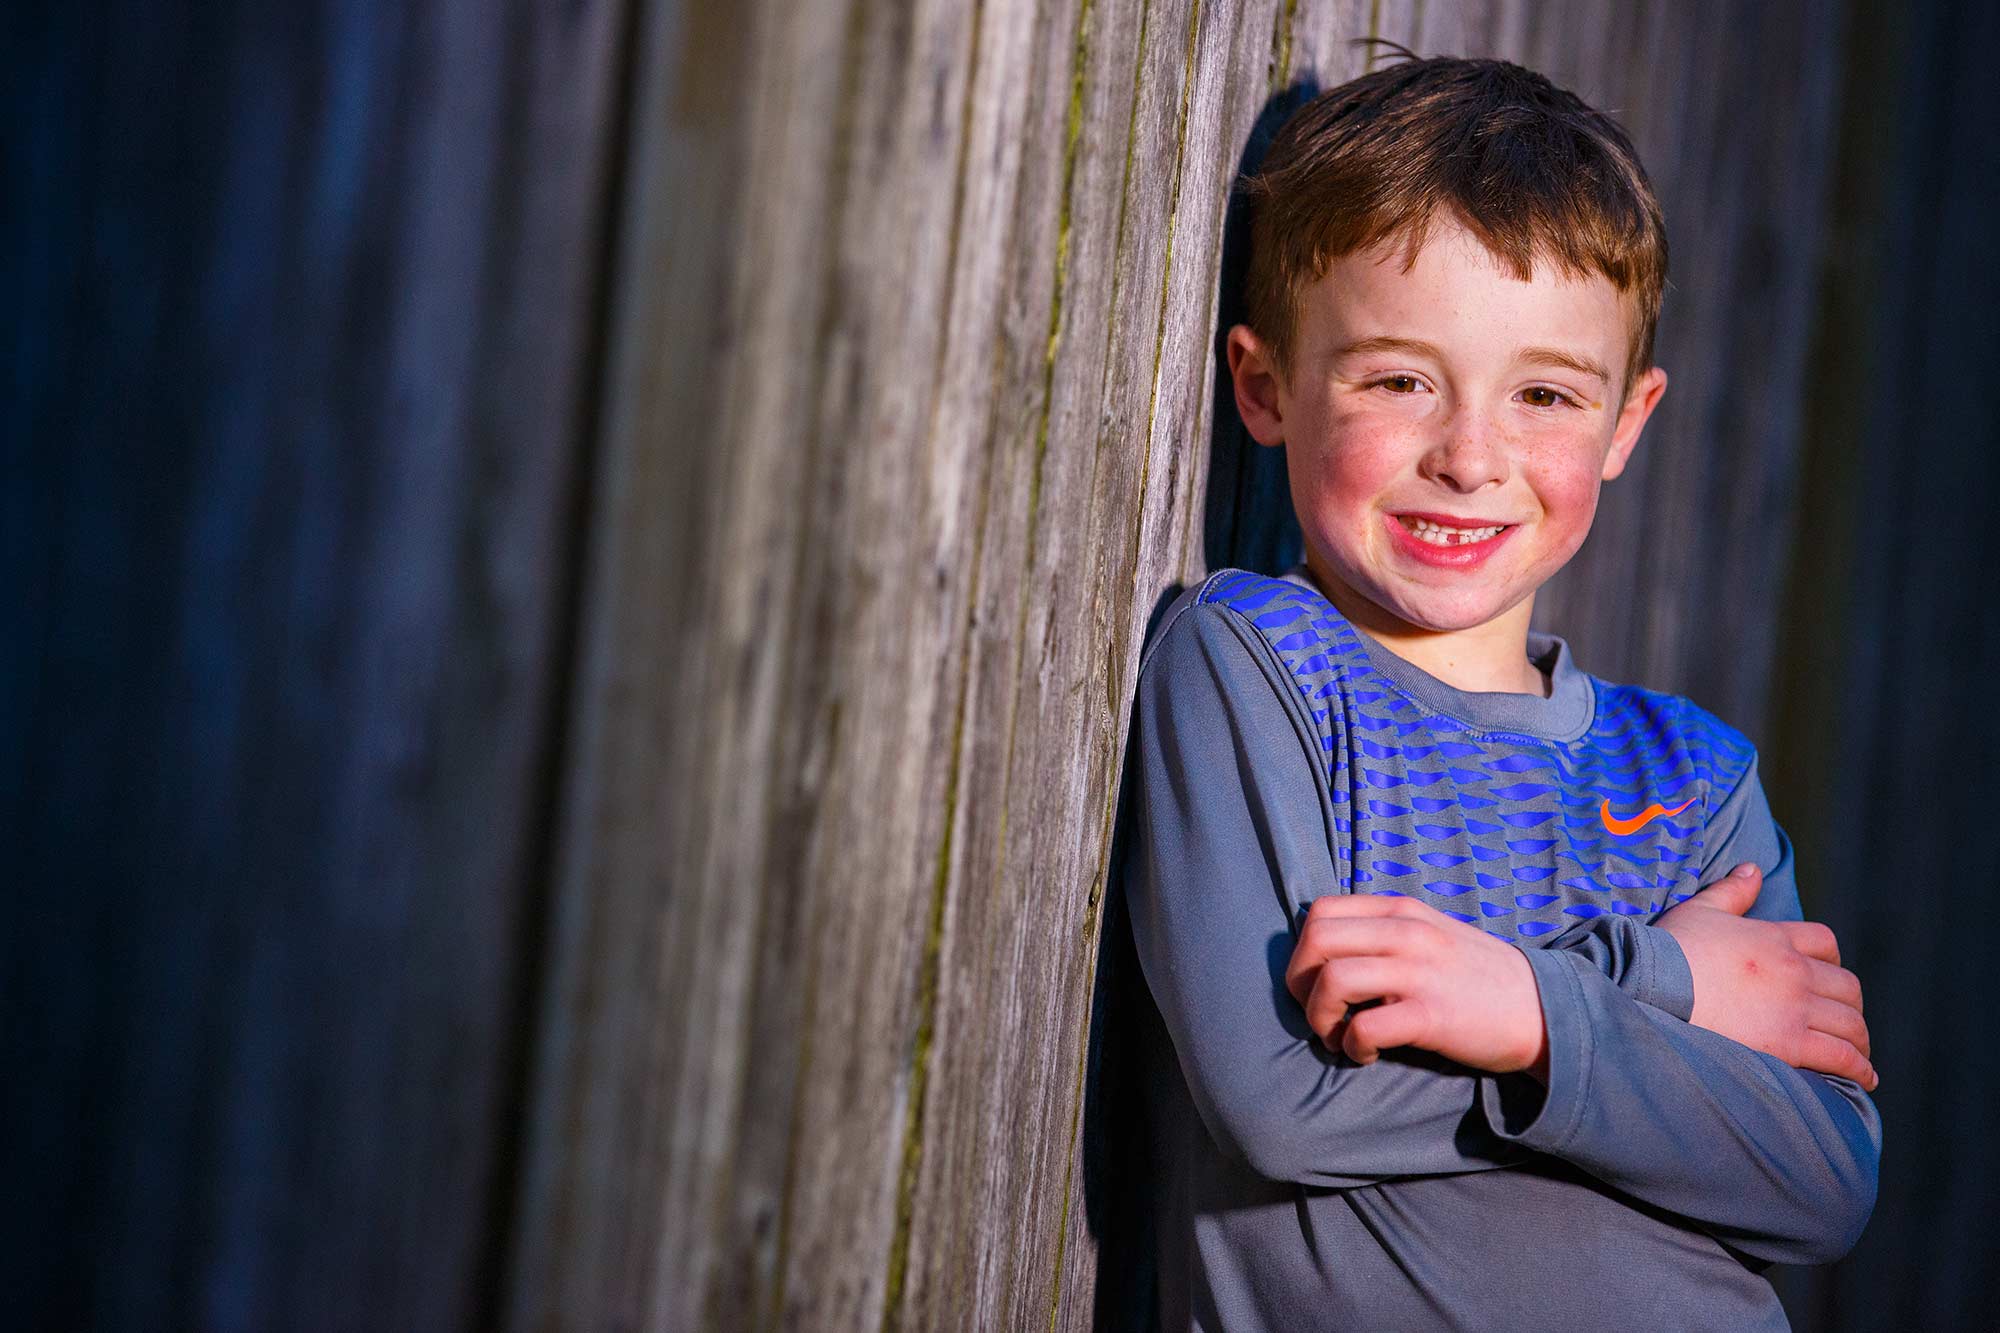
1529,169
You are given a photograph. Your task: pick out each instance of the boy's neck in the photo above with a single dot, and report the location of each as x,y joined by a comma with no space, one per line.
1488,658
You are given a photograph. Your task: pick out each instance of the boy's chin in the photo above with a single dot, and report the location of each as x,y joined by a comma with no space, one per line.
1445,619
1425,611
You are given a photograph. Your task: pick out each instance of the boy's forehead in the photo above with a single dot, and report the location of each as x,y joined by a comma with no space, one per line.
1456,293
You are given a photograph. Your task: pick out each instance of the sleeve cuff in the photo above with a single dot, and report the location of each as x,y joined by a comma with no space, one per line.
1668,983
1519,1110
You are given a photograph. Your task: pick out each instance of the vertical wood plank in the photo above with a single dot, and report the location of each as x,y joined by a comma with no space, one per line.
1019,926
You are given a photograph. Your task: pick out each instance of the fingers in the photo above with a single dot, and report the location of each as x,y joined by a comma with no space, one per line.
1814,940
1826,1054
1734,892
1327,936
1347,982
1838,1020
1372,1031
1835,983
1342,905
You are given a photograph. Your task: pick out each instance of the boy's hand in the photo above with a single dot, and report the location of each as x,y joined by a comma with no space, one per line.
1444,986
1776,986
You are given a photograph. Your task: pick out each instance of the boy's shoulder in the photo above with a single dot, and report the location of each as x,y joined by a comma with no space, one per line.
1285,614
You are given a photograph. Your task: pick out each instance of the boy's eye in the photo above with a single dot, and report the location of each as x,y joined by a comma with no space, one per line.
1549,397
1399,383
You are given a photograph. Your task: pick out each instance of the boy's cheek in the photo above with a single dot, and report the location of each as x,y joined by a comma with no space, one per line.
1574,508
1350,470
1337,512
1563,534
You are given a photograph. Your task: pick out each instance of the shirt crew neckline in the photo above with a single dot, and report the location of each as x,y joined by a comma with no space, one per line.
1563,716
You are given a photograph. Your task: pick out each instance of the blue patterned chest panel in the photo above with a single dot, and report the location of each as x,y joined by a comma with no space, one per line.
1518,834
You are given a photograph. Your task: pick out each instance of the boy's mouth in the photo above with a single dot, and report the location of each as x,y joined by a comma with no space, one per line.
1443,530
1448,541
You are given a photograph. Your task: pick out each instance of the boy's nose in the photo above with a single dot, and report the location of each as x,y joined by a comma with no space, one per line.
1467,456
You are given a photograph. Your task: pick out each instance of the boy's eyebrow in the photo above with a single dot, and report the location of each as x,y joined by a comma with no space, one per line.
1555,356
1384,342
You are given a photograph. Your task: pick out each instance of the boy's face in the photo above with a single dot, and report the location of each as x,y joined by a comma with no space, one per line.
1444,392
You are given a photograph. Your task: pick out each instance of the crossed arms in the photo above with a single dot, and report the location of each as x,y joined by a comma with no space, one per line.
1582,1049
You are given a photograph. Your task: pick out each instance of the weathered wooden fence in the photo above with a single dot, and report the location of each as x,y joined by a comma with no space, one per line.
585,580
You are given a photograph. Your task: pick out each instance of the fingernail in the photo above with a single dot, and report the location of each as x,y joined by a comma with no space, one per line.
1745,868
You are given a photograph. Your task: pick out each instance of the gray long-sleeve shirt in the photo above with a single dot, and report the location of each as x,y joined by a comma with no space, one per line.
1281,756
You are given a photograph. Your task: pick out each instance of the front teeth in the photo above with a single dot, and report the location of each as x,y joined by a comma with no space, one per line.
1437,535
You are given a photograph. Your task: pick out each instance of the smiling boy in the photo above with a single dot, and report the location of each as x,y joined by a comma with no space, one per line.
1466,1021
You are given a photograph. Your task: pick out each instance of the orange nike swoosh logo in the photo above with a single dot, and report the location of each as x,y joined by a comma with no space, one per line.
1640,820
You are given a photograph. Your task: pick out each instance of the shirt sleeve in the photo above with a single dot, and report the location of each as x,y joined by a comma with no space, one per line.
1232,829
1777,1162
1742,829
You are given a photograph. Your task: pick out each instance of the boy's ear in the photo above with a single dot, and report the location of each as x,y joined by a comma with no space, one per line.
1639,405
1253,371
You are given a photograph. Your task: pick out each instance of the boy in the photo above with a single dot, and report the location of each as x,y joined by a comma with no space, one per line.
1467,1021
